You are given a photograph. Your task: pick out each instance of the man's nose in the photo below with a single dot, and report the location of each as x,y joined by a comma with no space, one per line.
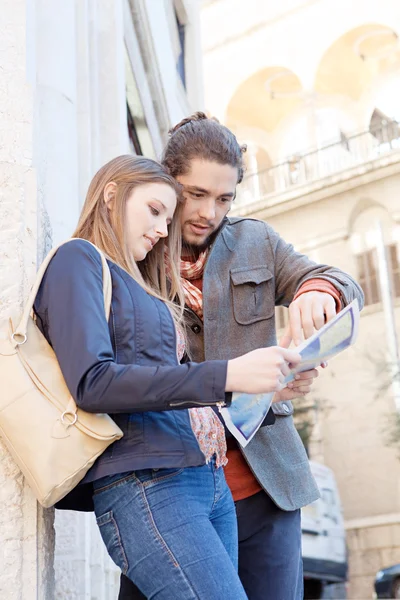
207,209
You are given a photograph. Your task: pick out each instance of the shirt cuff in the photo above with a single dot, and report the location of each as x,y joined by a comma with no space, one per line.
320,285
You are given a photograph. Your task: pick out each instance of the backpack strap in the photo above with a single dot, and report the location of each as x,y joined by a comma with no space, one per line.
20,331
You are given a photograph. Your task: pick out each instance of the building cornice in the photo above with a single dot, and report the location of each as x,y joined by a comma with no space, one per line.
299,196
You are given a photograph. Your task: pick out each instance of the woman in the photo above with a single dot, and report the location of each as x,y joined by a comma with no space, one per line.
160,497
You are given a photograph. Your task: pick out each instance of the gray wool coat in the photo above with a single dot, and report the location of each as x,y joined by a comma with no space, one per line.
249,271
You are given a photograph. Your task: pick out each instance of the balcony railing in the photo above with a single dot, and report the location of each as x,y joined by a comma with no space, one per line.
308,167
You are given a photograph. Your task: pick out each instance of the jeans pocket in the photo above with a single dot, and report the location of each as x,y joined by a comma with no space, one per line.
110,533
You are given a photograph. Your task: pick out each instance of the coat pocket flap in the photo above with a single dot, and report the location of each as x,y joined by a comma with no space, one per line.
254,275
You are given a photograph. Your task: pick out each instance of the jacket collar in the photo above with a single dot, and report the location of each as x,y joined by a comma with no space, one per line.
227,235
224,234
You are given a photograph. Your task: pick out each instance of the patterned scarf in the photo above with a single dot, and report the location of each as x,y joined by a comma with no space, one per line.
189,271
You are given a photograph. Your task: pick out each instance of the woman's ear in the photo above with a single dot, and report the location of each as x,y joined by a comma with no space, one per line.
109,194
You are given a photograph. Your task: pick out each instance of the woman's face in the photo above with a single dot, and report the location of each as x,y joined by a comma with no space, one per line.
149,211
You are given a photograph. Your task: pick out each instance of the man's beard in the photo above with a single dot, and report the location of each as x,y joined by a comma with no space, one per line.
193,251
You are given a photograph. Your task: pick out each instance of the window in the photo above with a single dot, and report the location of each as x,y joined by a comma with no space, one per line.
367,264
132,133
180,63
394,268
138,132
368,273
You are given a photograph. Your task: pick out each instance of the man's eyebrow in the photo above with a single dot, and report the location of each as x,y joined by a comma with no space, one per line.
203,191
196,188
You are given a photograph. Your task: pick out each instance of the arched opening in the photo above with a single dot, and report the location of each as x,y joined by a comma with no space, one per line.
354,60
264,99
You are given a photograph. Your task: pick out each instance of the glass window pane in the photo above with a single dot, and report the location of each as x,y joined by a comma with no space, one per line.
394,269
139,134
368,276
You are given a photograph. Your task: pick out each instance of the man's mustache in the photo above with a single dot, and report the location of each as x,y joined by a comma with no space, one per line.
207,224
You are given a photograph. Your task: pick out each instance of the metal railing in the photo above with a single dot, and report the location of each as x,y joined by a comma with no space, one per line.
308,167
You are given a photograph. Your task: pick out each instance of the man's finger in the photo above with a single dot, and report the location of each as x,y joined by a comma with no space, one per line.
330,309
295,323
318,314
285,369
307,322
303,389
311,374
287,394
286,339
291,356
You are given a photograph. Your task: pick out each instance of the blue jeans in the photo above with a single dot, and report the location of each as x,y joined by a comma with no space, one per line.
173,532
270,561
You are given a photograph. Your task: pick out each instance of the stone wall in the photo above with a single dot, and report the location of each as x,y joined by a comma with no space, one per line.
371,549
26,532
82,566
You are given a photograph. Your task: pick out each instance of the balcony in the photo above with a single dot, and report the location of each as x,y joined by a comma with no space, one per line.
303,173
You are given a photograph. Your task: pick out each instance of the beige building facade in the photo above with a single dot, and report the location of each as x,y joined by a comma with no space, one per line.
313,88
81,81
353,402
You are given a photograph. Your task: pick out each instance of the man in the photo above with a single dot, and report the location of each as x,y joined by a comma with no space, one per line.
234,272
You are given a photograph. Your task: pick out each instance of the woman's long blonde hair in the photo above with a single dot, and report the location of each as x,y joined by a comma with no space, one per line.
106,229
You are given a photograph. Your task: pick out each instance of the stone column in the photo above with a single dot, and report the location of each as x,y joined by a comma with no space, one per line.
26,534
96,89
194,57
55,132
252,174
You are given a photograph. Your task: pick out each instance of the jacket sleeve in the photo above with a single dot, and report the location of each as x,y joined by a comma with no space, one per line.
70,307
292,269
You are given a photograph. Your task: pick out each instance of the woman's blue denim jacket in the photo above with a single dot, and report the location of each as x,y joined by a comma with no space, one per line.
127,367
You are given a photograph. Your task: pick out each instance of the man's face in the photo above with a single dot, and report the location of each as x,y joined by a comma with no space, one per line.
209,189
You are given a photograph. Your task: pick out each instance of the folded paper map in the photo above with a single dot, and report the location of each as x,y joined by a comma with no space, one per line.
248,411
